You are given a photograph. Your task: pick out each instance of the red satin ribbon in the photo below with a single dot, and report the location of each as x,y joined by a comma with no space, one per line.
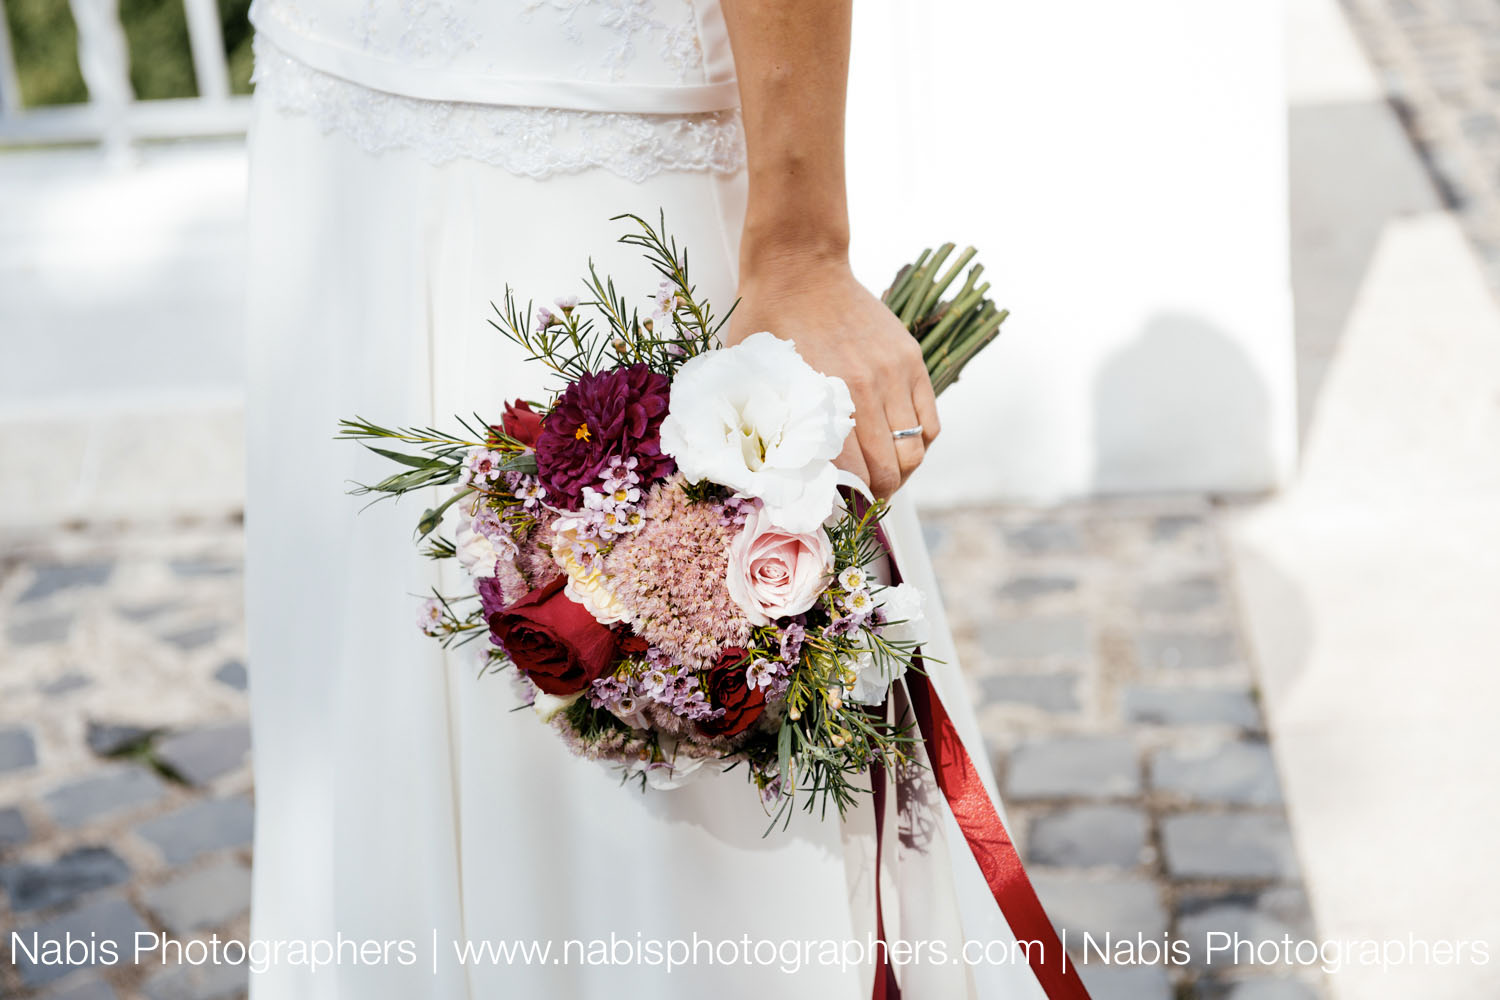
953,770
886,987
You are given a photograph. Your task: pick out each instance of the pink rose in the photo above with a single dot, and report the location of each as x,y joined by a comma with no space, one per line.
776,573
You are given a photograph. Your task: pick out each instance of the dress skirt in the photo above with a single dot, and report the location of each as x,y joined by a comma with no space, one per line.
404,811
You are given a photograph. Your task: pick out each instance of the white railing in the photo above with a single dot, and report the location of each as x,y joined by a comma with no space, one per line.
112,116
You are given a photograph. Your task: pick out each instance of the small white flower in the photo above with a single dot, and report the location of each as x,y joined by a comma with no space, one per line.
530,493
431,619
567,303
544,319
859,602
759,674
852,579
667,299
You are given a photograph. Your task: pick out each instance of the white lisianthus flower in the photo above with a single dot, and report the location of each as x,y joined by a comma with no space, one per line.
870,684
901,605
476,552
547,705
677,768
758,419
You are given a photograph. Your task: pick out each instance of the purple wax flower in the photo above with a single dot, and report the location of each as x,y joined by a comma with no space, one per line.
844,625
491,596
791,642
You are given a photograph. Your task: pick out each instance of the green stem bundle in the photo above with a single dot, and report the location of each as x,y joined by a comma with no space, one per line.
953,330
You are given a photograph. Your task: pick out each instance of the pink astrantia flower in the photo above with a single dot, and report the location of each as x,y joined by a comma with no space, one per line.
670,575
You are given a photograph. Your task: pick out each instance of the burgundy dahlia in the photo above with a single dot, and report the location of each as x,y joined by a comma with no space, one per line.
601,416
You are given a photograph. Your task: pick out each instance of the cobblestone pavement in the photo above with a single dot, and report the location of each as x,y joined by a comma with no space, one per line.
1104,651
124,784
1101,640
1439,61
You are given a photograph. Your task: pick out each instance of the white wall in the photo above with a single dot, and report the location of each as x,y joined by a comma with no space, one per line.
1121,168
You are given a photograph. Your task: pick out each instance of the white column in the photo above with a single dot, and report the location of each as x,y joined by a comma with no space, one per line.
104,61
210,65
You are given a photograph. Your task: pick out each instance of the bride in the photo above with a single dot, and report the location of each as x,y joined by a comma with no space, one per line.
408,160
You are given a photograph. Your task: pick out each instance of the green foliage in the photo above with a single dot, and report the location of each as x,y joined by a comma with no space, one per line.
45,40
156,31
234,15
573,342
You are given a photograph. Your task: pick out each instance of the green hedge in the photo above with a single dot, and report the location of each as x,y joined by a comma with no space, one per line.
45,41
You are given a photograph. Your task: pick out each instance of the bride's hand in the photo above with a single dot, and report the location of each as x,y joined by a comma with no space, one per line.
841,329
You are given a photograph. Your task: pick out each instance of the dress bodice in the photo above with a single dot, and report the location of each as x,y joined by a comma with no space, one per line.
644,56
534,86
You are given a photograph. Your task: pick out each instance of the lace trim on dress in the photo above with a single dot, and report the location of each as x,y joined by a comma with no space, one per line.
533,142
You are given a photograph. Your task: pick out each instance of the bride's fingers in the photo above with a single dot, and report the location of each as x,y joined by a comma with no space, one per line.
852,459
874,433
910,448
926,406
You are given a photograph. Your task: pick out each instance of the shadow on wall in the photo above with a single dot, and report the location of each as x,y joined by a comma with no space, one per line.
1179,408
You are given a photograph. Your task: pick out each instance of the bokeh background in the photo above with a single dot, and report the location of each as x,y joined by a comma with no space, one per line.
1216,518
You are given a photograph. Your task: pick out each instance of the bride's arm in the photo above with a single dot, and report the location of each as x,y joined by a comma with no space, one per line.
792,58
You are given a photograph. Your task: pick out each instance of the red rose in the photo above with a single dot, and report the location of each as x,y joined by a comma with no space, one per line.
521,422
728,689
554,640
630,642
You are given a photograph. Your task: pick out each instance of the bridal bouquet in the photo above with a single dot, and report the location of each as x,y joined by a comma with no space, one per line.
663,552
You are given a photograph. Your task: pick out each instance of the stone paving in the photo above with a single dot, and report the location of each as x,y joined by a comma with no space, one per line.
1439,61
1101,640
1115,690
124,780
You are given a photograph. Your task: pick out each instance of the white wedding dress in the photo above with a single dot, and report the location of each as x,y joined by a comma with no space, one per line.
408,160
